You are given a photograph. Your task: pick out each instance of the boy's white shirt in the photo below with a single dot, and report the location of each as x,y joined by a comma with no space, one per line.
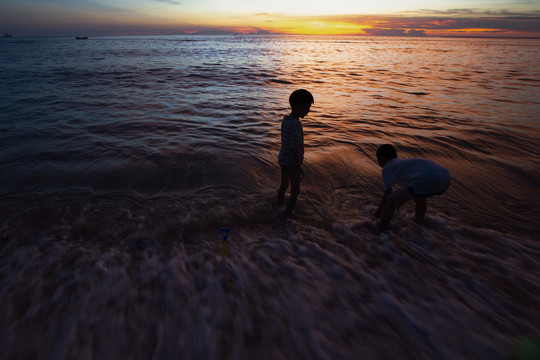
402,171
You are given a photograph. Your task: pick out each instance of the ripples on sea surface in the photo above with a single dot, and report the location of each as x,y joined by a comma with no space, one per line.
121,157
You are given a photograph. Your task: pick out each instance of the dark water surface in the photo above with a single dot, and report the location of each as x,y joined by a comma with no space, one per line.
121,157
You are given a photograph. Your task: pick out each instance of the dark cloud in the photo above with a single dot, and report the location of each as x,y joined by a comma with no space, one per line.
260,31
213,32
416,33
473,12
525,24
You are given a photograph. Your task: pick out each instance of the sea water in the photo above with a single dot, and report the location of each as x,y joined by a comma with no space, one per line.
121,157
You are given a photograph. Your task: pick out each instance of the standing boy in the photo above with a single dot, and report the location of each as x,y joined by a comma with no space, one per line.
417,178
291,154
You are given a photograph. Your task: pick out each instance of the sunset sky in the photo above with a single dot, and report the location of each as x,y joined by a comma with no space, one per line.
362,17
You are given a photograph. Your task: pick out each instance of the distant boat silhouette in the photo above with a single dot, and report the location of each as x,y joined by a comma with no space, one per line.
6,35
81,37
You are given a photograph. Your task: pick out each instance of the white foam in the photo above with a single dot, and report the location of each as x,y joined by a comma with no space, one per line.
304,287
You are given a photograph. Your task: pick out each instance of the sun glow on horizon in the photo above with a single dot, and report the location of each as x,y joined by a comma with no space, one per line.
313,26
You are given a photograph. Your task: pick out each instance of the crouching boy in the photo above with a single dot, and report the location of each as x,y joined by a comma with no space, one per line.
418,179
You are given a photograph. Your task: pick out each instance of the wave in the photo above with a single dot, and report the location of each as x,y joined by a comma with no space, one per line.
118,268
119,165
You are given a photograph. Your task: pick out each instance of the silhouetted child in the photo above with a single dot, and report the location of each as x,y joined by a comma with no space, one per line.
418,179
291,154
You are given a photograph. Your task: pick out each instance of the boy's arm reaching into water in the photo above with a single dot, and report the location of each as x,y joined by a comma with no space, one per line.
383,202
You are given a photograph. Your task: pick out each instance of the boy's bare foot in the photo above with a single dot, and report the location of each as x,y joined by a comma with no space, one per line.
373,228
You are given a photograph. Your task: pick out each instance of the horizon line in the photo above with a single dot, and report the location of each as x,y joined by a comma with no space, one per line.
225,33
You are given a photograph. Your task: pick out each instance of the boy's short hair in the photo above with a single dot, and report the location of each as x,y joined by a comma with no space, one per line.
387,151
301,97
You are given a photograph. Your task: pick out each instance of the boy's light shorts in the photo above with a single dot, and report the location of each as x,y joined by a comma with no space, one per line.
430,182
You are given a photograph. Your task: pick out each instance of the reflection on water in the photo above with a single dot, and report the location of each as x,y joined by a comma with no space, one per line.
121,157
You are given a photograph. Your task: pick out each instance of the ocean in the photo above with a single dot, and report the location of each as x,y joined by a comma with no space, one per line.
122,157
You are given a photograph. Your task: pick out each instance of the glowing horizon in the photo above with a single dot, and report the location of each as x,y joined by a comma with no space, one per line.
340,17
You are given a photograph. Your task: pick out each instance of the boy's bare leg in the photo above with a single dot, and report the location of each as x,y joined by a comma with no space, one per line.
421,208
284,184
295,177
395,198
